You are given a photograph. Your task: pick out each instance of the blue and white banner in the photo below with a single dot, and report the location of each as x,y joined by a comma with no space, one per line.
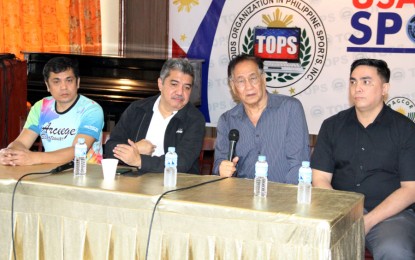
328,37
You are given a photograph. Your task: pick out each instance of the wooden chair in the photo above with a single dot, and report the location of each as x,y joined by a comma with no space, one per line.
206,157
312,141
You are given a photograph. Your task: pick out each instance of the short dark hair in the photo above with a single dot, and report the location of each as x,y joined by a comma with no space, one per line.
179,64
243,57
60,64
380,65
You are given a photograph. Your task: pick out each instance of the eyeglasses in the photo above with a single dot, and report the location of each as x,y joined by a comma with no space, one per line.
240,82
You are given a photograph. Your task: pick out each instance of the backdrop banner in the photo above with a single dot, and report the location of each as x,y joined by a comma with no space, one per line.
322,36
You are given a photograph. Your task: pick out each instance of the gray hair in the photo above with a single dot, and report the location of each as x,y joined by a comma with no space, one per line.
241,58
179,64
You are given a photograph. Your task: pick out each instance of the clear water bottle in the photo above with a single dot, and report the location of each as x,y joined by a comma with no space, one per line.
261,179
170,168
79,168
304,183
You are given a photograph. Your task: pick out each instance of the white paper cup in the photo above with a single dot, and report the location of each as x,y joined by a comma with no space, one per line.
109,168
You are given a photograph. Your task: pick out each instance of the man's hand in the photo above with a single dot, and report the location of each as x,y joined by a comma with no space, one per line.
144,146
129,154
228,168
16,157
395,203
6,156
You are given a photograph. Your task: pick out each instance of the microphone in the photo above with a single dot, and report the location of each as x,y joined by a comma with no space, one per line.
233,138
63,167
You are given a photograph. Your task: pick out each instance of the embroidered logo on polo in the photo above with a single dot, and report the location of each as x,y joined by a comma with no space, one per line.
403,105
179,131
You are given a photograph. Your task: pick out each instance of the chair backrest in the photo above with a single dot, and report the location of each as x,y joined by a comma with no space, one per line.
206,157
209,144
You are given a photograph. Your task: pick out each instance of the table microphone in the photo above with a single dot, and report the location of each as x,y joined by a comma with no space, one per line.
63,167
233,138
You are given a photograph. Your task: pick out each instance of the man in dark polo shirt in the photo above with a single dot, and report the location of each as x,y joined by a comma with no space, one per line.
370,149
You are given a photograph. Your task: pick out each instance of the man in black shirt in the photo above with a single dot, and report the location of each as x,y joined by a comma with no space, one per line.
370,149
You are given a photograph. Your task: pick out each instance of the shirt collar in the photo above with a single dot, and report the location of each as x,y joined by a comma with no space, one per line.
241,110
379,118
156,106
381,114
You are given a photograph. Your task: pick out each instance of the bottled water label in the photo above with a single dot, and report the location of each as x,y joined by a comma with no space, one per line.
261,173
170,168
305,175
261,166
80,151
260,186
170,162
80,157
261,169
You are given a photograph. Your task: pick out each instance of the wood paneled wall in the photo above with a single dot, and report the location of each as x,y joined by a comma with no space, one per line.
144,29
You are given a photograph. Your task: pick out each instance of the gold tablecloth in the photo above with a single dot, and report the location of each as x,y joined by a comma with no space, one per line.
64,217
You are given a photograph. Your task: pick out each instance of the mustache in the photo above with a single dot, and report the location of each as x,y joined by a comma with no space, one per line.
180,97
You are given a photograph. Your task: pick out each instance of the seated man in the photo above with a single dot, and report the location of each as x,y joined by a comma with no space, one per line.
268,124
148,127
370,148
59,120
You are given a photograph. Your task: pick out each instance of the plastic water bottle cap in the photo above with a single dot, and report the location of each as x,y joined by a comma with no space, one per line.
262,158
171,149
305,164
81,140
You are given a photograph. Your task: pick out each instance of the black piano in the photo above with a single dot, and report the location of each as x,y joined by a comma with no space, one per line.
112,81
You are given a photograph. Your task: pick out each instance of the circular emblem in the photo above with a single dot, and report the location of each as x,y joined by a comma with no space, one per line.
281,33
410,29
404,106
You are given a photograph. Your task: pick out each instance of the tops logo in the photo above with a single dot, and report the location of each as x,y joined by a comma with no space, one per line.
285,34
277,43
